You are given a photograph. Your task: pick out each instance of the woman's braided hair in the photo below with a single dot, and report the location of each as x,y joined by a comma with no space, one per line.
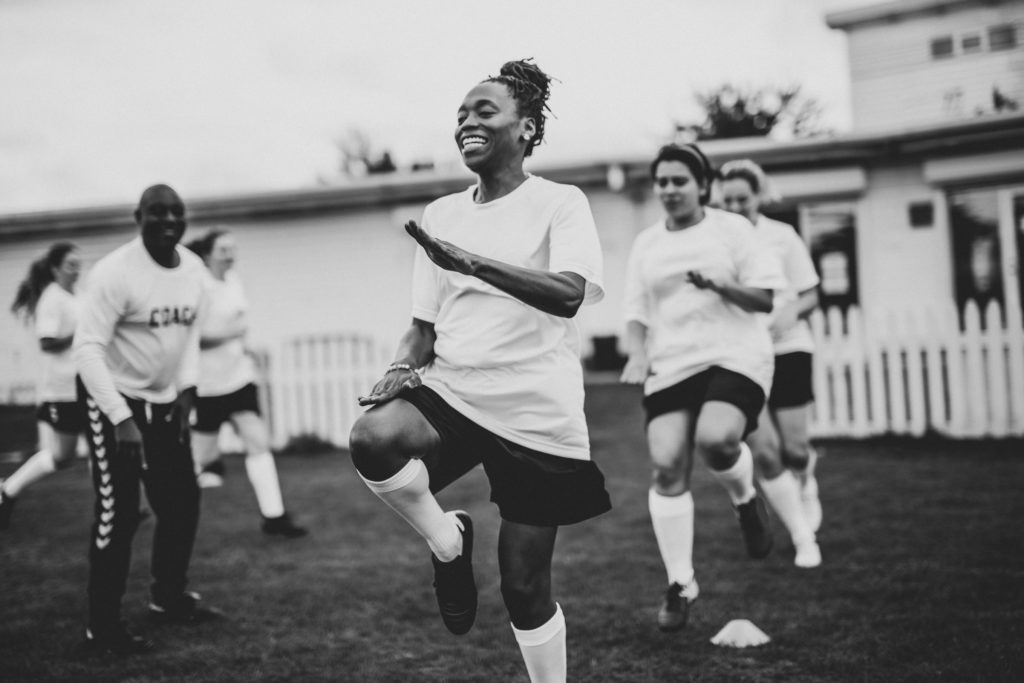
530,88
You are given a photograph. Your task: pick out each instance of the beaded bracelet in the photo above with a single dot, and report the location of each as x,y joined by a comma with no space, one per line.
399,366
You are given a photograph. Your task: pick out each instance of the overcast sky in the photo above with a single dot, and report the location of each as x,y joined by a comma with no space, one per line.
102,98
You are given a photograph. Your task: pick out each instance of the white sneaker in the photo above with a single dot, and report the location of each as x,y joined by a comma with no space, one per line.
808,555
209,480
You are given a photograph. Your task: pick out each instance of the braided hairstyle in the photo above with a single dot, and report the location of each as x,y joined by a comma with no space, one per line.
40,274
530,88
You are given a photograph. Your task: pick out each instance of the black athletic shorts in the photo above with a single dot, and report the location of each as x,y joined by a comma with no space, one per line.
213,411
529,487
792,385
713,384
66,417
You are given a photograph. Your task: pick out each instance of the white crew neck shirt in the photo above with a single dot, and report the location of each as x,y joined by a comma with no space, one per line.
56,316
137,335
689,329
511,368
225,368
798,269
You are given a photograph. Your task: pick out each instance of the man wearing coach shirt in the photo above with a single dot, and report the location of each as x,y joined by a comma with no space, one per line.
136,351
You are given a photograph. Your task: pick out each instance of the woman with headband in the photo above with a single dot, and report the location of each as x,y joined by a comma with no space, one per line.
695,287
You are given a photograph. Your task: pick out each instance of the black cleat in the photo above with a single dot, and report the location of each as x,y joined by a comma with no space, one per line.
675,610
454,584
282,526
6,508
116,641
183,610
757,532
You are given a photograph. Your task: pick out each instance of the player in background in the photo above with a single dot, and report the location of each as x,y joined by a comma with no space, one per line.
137,353
227,385
46,299
503,268
694,288
782,451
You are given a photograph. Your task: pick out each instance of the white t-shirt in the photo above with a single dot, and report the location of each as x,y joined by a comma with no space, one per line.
689,329
227,367
137,334
56,315
798,269
512,369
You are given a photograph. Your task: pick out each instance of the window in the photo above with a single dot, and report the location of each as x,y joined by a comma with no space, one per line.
970,43
1002,37
942,47
977,259
831,231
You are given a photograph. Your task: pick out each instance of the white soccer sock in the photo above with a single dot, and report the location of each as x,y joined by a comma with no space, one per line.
783,494
672,518
408,493
543,649
34,469
738,480
263,476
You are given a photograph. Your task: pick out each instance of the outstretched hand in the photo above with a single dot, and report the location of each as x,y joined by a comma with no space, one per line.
392,384
445,254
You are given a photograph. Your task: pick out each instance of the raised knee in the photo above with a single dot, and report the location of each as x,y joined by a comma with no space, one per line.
717,447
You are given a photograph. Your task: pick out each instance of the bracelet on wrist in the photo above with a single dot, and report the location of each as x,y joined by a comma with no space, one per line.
400,366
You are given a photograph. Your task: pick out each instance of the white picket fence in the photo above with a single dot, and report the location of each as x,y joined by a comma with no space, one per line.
918,371
899,372
312,384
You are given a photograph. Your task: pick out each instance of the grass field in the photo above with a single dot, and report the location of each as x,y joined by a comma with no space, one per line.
923,579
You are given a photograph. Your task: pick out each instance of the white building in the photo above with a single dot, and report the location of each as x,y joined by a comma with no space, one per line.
915,213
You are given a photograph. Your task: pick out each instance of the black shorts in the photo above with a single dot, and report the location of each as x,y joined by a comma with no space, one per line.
66,417
528,487
713,384
792,385
213,411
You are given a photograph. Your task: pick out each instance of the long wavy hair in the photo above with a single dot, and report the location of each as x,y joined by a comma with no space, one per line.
40,274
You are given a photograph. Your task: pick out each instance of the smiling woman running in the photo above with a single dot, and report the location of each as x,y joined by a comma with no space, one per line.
503,268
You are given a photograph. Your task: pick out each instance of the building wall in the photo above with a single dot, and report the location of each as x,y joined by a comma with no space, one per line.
902,267
896,82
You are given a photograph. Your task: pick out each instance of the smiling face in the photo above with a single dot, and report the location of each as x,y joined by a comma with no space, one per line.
739,197
490,132
161,219
678,191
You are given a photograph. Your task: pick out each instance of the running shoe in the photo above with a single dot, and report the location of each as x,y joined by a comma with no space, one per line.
757,532
675,610
454,584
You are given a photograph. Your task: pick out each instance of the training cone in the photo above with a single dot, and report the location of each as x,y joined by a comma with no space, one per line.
740,633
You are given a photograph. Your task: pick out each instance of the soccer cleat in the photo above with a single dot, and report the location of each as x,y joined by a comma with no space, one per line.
116,641
183,610
6,508
454,584
808,555
282,526
675,610
757,532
